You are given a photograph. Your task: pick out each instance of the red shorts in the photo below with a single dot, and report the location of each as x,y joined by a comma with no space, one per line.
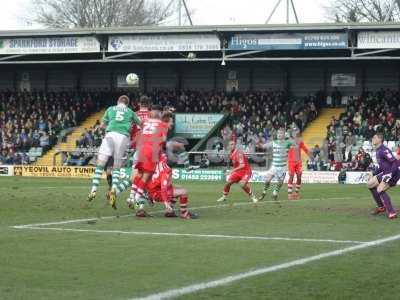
295,167
240,176
147,160
156,196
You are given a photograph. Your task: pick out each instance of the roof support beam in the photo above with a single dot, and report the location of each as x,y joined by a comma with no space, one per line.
11,57
166,60
374,52
120,55
244,53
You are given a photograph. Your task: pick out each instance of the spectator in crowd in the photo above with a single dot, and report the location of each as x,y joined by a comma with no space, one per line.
35,119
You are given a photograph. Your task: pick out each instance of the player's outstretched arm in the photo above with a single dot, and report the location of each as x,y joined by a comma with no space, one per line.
136,119
266,146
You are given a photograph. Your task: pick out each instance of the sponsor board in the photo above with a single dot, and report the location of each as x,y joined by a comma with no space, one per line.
198,175
288,41
308,177
54,171
357,177
49,45
378,39
195,126
164,43
343,79
6,170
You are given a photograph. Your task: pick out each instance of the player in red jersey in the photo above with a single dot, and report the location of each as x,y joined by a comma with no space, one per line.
160,189
143,114
241,172
149,146
295,166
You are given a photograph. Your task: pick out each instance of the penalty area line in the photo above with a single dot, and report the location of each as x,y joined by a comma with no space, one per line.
233,204
190,289
197,235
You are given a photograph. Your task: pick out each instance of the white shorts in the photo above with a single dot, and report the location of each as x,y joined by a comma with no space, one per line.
114,144
277,173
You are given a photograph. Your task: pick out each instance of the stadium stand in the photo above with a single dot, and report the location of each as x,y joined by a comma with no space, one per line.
349,136
253,116
31,123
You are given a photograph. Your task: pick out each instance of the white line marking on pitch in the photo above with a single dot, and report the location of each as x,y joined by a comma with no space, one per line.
233,278
196,235
233,204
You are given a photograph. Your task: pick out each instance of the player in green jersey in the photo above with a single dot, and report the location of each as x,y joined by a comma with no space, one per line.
118,122
277,171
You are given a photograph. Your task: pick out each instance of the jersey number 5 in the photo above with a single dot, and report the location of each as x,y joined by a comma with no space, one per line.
119,116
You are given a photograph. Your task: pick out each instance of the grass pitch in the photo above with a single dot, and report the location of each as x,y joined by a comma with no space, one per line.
120,257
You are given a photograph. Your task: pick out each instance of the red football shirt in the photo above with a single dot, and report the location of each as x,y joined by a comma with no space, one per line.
161,181
294,153
238,157
143,115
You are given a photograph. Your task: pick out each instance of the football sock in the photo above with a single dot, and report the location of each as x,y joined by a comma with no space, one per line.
290,184
134,187
266,186
141,186
96,177
290,188
247,190
115,178
298,182
183,201
227,188
172,203
376,197
276,187
109,181
122,186
388,203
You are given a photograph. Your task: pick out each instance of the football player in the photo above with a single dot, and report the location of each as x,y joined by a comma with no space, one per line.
241,173
118,121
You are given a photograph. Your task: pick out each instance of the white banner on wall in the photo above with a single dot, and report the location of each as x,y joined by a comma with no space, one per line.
49,45
164,43
6,170
378,39
348,79
357,177
308,177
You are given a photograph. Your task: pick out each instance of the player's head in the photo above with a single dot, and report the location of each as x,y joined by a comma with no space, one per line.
377,139
296,134
144,102
167,117
231,145
156,112
124,99
281,133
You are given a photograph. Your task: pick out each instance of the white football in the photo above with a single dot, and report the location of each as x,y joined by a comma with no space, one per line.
132,79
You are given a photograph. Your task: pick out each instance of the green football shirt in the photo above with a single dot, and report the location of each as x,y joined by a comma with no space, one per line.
119,119
280,153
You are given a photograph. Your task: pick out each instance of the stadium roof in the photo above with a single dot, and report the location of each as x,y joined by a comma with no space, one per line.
350,52
203,29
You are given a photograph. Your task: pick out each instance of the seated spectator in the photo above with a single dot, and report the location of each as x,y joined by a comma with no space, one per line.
44,141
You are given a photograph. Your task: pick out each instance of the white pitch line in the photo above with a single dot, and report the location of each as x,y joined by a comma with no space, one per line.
160,211
196,235
233,278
